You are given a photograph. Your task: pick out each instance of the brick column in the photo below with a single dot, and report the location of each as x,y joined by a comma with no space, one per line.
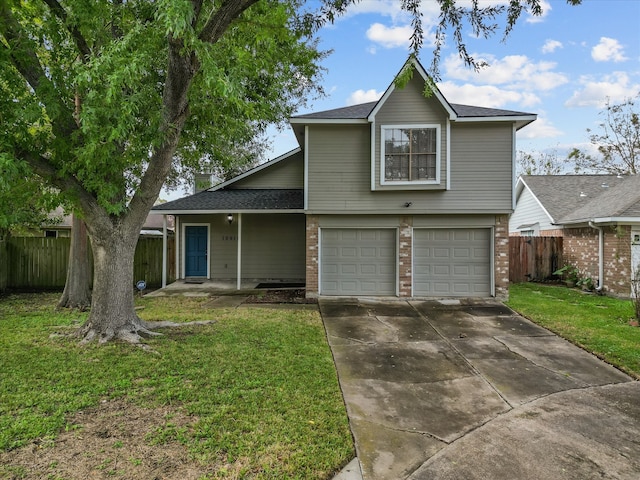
405,255
312,263
501,257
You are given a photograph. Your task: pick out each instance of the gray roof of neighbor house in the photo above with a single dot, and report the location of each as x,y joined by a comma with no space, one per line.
616,202
571,198
236,200
362,111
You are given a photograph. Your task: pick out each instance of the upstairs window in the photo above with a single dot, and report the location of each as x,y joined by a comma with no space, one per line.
410,154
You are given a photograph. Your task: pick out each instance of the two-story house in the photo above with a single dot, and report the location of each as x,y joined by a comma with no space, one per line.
408,196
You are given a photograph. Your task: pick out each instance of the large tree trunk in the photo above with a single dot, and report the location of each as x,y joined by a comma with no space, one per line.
76,292
112,308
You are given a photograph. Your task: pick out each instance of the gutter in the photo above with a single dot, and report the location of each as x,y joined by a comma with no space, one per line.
600,255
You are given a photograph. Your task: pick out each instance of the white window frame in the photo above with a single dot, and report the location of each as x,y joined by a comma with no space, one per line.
421,126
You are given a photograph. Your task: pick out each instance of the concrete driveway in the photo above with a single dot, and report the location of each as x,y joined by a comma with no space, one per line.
468,390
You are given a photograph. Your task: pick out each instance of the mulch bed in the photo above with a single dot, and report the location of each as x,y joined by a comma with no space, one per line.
296,296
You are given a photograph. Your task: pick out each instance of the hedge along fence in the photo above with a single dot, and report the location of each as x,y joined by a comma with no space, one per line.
41,263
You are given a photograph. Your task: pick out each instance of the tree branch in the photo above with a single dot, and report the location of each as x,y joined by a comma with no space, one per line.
78,38
222,18
26,61
43,167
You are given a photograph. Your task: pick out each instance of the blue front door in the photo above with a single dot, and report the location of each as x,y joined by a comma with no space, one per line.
195,251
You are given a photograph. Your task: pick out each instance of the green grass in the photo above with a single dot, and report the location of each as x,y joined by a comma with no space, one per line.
596,323
260,384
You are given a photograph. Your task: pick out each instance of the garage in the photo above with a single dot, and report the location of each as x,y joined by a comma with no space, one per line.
452,262
358,261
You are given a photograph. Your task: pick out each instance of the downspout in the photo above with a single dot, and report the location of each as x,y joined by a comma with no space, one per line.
600,255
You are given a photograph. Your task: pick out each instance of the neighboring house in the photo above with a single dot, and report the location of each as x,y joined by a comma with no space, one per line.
60,225
407,196
598,216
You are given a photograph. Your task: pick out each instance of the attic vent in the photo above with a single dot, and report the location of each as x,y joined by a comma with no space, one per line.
582,194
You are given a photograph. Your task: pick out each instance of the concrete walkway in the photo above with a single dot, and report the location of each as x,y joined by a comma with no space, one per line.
473,391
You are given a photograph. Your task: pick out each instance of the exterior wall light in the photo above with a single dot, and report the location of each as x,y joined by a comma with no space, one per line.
230,218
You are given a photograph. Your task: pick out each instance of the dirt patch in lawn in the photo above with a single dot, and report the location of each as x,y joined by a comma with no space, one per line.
295,296
114,440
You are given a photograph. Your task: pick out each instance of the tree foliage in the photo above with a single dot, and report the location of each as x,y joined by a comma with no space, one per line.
617,141
539,163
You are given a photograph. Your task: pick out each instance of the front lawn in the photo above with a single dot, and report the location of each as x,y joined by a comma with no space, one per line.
598,324
254,395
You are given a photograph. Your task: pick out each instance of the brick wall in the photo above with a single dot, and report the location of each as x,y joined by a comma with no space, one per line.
501,257
406,257
581,249
312,256
617,260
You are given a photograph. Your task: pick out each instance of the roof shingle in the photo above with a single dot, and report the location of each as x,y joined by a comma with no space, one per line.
237,199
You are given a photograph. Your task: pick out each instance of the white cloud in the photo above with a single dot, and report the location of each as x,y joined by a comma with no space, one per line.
551,46
546,8
608,50
390,37
387,8
512,71
486,95
594,93
541,128
362,96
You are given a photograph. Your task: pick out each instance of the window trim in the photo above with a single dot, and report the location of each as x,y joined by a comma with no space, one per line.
436,181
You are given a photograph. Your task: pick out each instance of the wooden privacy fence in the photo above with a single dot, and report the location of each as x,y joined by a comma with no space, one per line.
534,258
41,263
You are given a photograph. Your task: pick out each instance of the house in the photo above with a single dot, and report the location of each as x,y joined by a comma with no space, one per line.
60,225
408,196
597,215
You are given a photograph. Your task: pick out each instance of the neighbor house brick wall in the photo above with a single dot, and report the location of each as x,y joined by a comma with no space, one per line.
501,257
405,251
312,256
617,260
581,249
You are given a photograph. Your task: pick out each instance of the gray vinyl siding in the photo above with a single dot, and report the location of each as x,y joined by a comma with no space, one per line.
340,173
405,107
287,173
273,245
529,211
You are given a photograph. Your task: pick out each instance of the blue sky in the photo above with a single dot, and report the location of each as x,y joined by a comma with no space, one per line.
562,66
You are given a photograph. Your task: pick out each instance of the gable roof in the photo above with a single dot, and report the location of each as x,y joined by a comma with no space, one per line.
363,111
580,198
457,112
232,201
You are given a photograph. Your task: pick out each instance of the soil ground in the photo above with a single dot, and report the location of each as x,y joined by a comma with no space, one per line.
113,440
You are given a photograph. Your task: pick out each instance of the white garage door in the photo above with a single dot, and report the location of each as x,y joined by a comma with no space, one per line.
358,261
452,263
